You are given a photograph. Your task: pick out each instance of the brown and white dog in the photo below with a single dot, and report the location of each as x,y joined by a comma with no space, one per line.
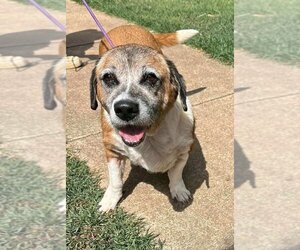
145,114
54,89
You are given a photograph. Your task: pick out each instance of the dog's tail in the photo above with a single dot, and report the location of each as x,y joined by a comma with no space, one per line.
171,39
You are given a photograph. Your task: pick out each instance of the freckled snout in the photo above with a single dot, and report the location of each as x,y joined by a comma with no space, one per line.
126,110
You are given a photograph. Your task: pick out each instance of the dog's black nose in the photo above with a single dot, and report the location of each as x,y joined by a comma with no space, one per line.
126,109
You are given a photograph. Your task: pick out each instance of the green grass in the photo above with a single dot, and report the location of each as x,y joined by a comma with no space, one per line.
87,228
212,18
269,28
29,207
50,4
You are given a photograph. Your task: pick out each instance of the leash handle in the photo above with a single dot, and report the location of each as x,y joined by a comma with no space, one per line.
47,14
98,24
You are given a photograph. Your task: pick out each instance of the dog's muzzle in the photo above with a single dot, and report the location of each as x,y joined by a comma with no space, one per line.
127,110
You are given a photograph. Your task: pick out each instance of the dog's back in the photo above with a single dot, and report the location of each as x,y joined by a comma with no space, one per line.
133,34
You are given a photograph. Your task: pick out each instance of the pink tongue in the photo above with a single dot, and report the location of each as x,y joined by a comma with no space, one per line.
132,134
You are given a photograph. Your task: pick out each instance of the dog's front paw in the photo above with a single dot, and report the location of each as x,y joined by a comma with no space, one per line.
180,192
109,200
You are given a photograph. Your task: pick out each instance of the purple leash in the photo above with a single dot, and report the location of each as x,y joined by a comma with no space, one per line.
47,14
98,24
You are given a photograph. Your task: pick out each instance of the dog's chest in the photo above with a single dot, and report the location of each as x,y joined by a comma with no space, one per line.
155,156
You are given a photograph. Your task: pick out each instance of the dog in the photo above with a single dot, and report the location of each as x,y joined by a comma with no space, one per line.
145,114
54,89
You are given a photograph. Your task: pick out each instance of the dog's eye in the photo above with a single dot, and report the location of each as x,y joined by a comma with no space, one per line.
110,79
149,79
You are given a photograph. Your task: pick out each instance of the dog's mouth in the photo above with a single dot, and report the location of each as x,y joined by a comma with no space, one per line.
132,136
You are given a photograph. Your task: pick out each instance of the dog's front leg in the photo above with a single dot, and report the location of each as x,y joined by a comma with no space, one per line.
177,186
113,192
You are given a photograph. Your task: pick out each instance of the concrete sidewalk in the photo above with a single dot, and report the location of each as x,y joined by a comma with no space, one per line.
267,188
205,223
27,129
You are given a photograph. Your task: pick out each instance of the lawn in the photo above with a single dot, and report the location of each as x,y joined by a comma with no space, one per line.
29,207
50,4
87,228
269,28
212,18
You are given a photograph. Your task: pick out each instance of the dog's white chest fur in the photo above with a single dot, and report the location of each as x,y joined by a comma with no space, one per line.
174,137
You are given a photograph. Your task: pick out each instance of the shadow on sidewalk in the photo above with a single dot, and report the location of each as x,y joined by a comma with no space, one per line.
242,171
194,175
25,43
81,41
195,91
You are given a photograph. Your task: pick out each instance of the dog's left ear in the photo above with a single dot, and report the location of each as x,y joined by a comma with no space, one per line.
178,81
93,90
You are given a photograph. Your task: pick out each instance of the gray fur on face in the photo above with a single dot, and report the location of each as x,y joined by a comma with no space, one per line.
135,73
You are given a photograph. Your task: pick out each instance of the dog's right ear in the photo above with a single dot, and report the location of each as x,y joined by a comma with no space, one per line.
93,89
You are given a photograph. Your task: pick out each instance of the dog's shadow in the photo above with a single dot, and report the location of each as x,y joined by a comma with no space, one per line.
81,41
242,168
194,175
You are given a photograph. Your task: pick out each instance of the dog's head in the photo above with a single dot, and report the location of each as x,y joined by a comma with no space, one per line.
136,85
54,85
